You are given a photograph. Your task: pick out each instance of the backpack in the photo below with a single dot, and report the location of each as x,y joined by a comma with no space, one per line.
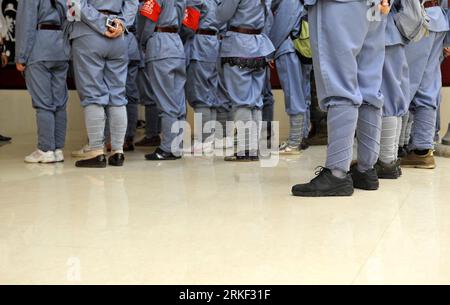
413,21
303,44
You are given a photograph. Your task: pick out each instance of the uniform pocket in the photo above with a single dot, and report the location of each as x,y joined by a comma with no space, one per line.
48,46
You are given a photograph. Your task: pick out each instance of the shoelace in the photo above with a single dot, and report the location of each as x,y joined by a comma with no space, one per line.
318,173
36,154
319,170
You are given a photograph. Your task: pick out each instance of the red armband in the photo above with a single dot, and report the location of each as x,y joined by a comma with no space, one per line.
151,9
192,19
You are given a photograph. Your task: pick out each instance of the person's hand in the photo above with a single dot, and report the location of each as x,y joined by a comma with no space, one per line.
118,31
20,67
446,52
4,60
385,7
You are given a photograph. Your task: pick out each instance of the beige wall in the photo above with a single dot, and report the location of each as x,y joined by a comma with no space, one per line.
17,116
445,111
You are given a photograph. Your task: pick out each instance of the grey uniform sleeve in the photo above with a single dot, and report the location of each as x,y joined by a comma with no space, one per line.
93,18
145,29
26,29
196,3
220,24
181,7
129,10
226,10
447,40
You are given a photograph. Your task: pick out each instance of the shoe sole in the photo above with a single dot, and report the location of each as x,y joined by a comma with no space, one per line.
282,153
367,188
144,146
240,161
162,159
202,153
388,177
367,185
345,192
91,166
419,166
40,162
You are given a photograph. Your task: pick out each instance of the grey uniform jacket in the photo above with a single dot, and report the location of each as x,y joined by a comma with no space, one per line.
32,45
92,21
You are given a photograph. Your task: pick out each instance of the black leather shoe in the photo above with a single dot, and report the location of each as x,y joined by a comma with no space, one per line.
149,142
161,155
399,167
128,145
247,157
402,151
4,139
367,181
116,160
325,185
387,171
97,162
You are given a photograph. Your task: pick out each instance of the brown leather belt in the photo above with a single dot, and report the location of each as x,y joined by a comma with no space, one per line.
431,3
245,31
107,13
207,32
49,27
166,29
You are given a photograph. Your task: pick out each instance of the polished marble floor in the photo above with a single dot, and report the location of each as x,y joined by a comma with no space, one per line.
203,221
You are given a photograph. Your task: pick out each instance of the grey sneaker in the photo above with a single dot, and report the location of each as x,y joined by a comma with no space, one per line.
286,149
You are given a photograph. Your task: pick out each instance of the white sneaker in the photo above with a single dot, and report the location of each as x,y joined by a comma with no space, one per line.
59,155
202,148
41,157
208,148
286,149
229,142
218,143
82,153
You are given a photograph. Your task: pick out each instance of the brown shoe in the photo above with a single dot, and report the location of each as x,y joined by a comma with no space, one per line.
413,160
128,145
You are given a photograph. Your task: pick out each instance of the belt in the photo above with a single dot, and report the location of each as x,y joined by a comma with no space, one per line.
431,3
49,27
245,31
207,32
107,13
131,29
166,29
